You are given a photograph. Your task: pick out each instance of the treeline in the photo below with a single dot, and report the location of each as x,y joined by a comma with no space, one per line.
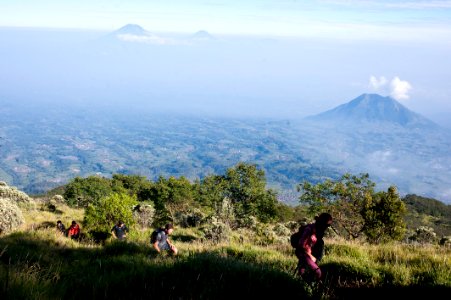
240,197
243,185
430,213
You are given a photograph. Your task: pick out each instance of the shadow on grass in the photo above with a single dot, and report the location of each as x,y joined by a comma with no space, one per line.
411,292
32,268
183,238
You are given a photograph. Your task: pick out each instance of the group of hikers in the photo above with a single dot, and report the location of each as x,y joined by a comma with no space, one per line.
159,238
73,231
309,248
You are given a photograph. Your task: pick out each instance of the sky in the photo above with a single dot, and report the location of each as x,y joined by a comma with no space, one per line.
402,46
407,20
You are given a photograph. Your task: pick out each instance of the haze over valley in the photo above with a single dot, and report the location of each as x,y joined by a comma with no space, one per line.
134,101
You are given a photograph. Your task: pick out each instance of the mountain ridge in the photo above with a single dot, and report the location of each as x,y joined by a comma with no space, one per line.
373,108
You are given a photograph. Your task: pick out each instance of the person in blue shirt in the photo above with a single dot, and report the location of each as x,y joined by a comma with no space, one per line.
162,243
119,231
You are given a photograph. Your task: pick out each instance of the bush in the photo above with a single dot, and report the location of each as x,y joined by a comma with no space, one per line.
15,196
144,215
10,216
445,241
424,235
216,230
264,235
249,222
108,211
192,218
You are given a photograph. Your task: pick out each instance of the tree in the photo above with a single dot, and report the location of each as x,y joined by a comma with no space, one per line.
171,195
211,191
134,184
83,191
384,217
102,216
246,188
356,208
344,199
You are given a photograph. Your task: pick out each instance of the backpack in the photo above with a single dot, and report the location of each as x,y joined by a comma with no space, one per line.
296,237
153,236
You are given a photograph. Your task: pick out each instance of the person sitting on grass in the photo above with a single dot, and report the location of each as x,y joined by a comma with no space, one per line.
119,231
60,227
74,231
161,242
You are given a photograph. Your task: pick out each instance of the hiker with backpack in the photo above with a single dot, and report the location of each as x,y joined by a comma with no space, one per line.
119,231
160,241
309,245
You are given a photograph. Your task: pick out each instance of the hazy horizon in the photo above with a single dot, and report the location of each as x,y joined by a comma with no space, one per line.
230,75
269,58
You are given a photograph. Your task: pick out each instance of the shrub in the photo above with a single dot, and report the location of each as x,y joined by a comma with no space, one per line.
191,218
445,241
10,216
144,215
15,196
248,222
108,211
216,231
424,235
282,230
264,235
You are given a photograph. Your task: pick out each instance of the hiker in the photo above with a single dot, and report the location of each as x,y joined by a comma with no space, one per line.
74,231
312,236
119,231
60,227
160,241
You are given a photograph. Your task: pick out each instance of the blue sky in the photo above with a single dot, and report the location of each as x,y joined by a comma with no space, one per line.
392,20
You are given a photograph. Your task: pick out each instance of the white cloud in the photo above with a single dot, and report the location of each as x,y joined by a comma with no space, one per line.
377,84
148,39
397,88
400,89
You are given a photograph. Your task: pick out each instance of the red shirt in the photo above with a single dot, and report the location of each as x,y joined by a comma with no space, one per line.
74,230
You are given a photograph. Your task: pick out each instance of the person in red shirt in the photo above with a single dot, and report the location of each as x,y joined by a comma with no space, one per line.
74,231
311,235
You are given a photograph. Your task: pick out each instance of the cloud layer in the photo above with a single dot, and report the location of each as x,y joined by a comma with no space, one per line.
397,88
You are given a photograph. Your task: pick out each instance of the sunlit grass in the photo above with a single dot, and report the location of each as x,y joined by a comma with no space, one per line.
37,262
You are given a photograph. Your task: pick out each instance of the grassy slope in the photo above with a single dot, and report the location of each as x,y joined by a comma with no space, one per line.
38,263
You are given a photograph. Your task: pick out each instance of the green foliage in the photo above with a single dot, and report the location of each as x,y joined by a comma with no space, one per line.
428,206
134,184
81,192
211,190
356,208
343,198
246,188
428,212
170,196
383,217
108,211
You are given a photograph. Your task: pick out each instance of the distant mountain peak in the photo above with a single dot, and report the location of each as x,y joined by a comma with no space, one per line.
132,29
202,35
373,108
